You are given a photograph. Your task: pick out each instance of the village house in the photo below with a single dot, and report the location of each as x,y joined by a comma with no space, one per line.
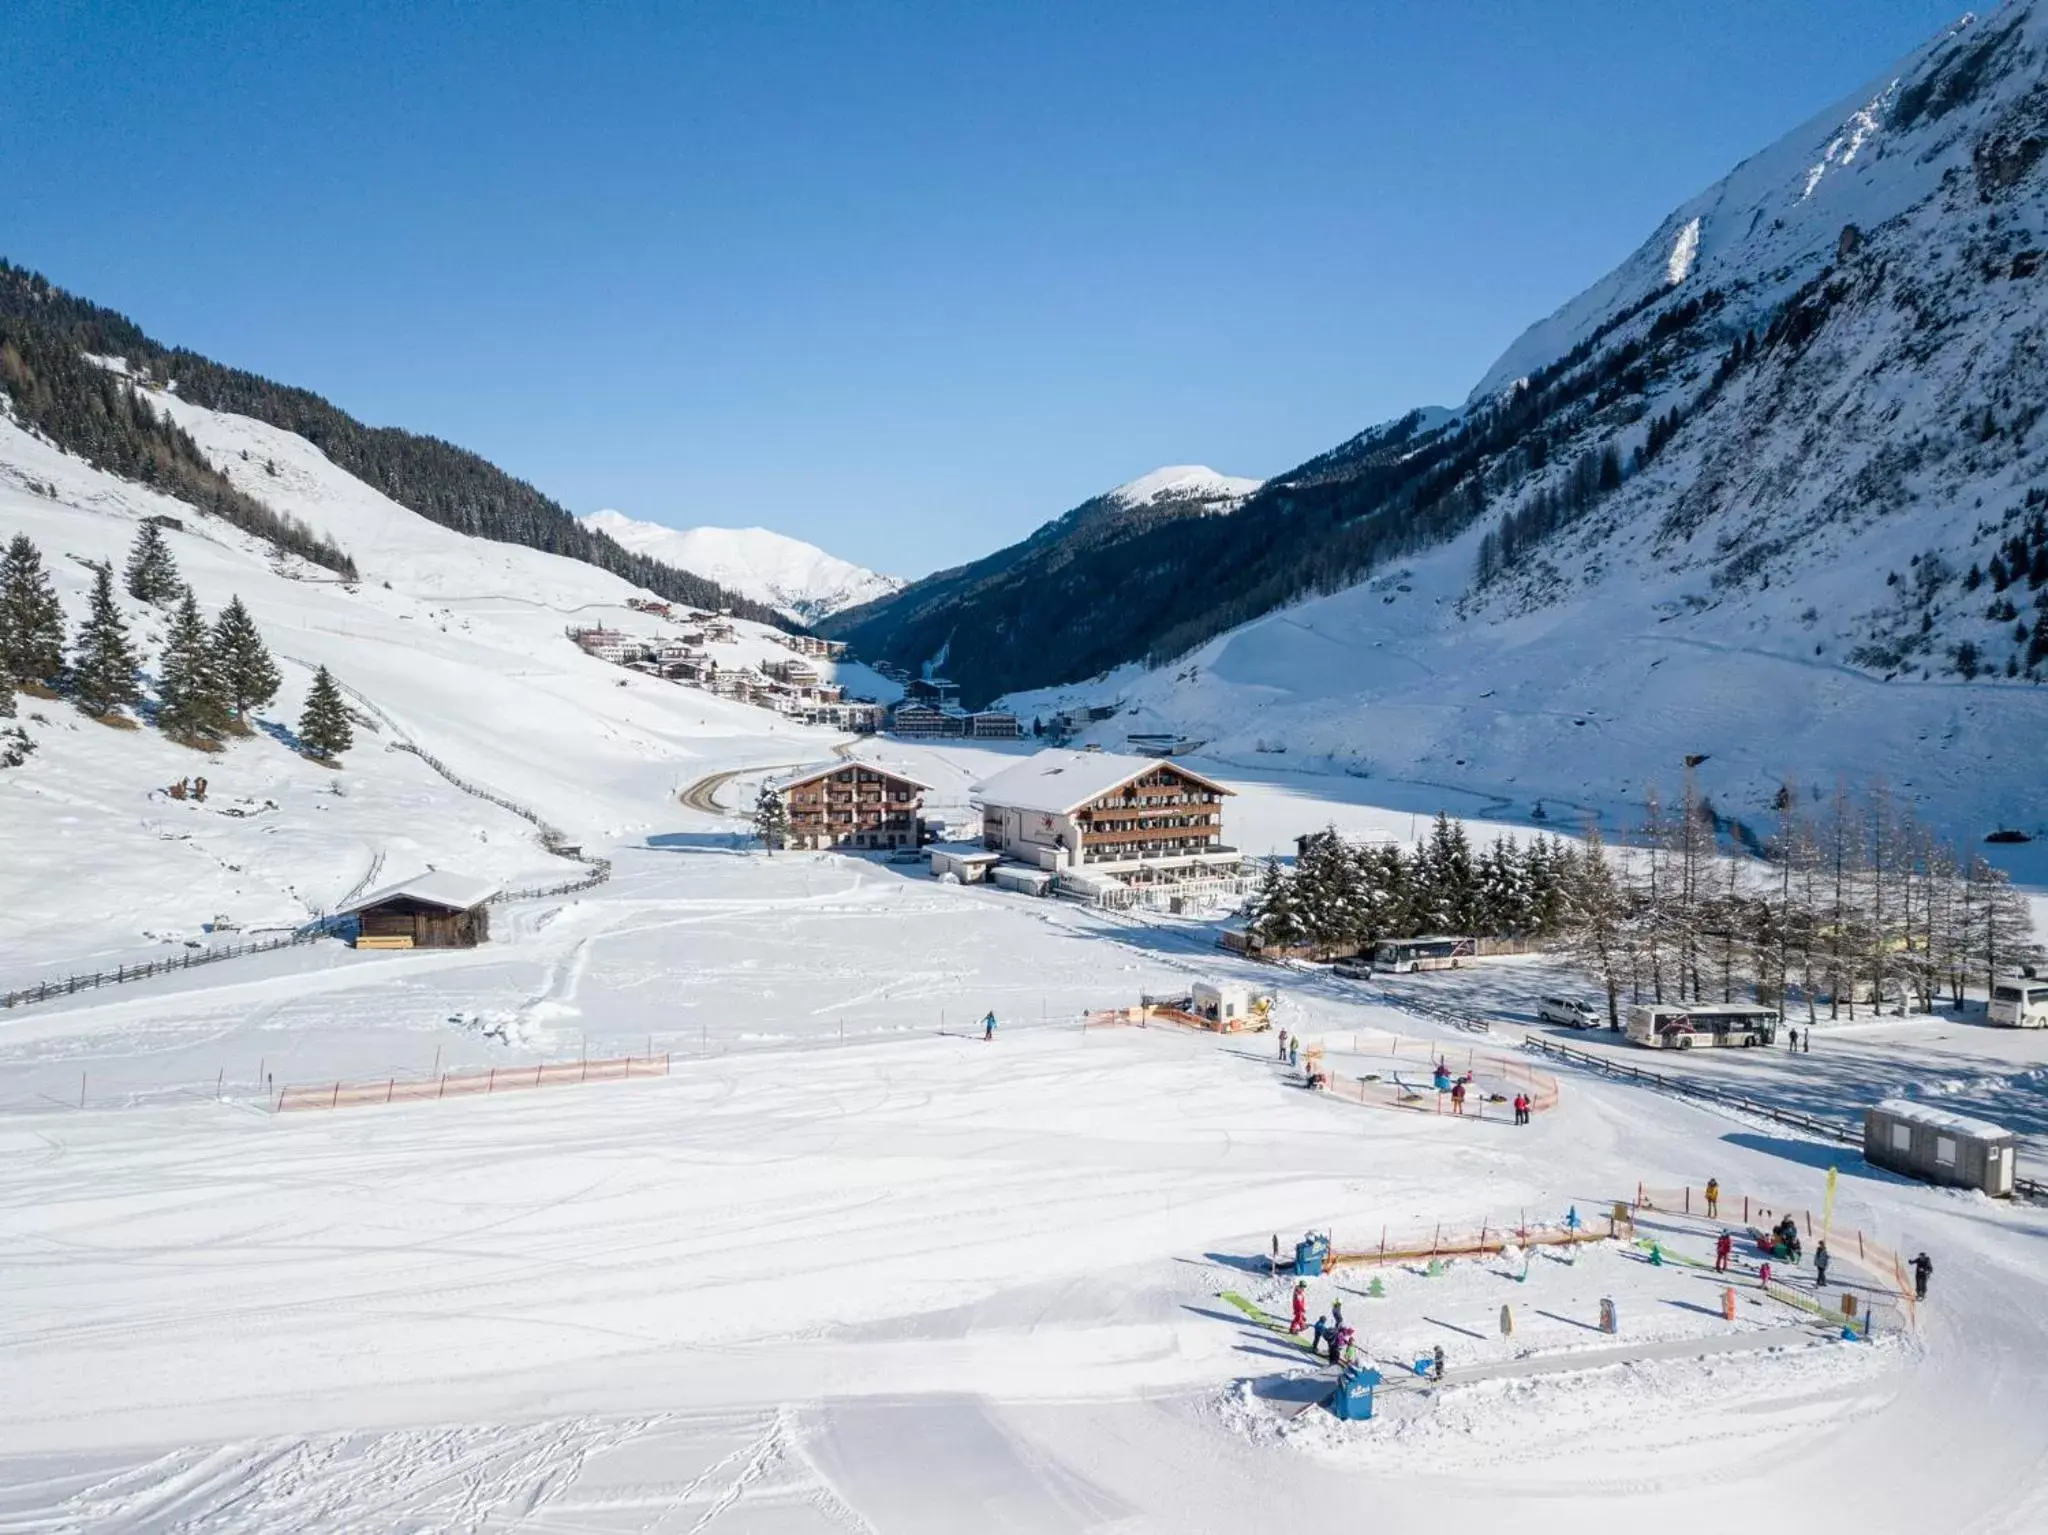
912,718
1137,820
851,805
993,725
797,673
606,644
812,645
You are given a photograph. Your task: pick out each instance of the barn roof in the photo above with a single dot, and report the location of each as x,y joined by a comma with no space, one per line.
436,887
1059,781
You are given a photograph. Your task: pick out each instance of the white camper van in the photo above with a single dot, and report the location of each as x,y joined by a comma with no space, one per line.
2019,1002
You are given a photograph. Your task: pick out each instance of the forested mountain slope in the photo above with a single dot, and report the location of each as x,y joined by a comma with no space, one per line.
100,419
1825,370
1040,611
1776,494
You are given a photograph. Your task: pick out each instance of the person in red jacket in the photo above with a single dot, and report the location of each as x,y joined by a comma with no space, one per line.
1300,1306
1724,1249
1458,1098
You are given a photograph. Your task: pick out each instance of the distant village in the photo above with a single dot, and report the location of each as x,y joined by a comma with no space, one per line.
794,687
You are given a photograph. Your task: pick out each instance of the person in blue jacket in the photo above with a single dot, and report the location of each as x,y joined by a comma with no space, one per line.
988,1026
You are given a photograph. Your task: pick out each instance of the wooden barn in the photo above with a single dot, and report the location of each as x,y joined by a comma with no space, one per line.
435,910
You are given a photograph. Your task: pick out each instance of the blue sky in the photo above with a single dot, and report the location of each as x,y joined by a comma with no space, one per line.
905,280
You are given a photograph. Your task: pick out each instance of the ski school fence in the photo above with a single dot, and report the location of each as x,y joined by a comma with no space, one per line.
1494,1079
1487,1240
1484,1097
1848,1246
463,1084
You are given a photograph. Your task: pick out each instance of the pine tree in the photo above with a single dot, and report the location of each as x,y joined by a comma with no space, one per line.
6,692
152,573
104,672
31,618
771,819
324,730
248,677
194,700
1596,920
1271,920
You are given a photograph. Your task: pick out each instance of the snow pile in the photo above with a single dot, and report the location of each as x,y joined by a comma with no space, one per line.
793,577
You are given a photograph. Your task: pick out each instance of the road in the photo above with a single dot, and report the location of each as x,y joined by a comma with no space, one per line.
703,794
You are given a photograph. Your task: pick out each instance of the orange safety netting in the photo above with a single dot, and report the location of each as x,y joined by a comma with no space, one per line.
458,1084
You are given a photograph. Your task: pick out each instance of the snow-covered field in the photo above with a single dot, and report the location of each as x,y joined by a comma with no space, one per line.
846,1266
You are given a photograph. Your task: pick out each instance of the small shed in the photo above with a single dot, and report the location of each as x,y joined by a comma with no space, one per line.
1939,1146
1221,1000
970,868
1022,881
435,910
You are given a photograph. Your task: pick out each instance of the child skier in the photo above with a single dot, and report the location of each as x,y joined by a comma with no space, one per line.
1820,1264
1283,1044
1923,1270
1300,1305
1458,1098
988,1026
1724,1249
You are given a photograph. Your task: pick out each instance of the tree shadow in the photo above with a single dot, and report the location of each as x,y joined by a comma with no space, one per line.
281,733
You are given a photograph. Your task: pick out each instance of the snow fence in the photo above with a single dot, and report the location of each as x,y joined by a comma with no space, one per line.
465,1084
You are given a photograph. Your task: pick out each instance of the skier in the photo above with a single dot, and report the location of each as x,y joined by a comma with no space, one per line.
1336,1314
1322,1332
1713,1199
1340,1344
1283,1044
1294,1051
1763,1275
1923,1270
1820,1264
1724,1249
1300,1305
988,1026
1458,1098
1792,1040
1806,1043
1436,1363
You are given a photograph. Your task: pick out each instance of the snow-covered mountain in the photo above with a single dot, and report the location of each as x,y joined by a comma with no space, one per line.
1775,492
796,578
1187,482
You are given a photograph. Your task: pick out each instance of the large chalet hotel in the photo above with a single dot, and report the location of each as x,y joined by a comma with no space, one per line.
1136,820
851,805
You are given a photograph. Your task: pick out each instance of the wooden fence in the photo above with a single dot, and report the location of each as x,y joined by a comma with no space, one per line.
190,959
464,1084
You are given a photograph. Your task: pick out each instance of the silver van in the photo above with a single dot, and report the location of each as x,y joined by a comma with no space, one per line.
1569,1011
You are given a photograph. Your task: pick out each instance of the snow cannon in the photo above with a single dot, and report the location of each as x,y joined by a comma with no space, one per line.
1353,1401
1311,1255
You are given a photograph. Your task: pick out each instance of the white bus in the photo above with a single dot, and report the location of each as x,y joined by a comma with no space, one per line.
1680,1026
2019,1002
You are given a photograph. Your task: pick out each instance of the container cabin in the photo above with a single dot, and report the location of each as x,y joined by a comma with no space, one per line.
1939,1147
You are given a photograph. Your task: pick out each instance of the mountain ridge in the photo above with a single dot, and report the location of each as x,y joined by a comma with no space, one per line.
799,580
